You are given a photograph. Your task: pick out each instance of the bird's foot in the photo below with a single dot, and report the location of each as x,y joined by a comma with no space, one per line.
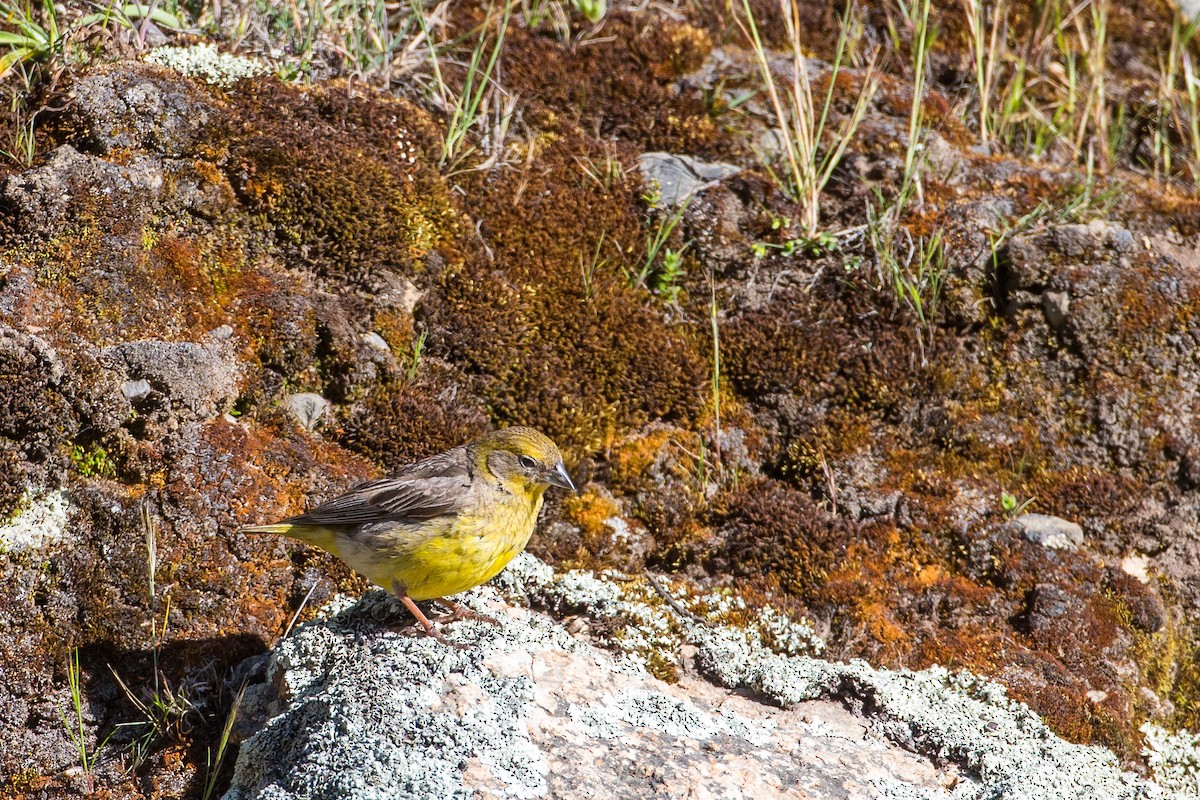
458,611
429,628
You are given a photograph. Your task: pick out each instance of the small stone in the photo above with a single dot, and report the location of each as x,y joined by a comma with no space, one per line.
136,390
1050,531
1096,697
1135,566
1056,306
677,178
376,342
308,408
1047,604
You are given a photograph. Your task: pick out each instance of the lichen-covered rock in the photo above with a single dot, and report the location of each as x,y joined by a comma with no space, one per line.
68,189
354,708
136,106
200,379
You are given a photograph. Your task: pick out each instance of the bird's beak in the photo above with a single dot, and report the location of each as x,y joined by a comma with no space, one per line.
559,477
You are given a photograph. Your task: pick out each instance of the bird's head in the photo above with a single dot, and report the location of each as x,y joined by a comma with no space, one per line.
523,459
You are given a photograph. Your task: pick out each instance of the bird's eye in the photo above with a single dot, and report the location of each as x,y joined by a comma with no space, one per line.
527,462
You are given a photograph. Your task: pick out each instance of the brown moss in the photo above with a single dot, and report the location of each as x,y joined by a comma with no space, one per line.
344,181
829,343
770,529
623,89
404,420
582,365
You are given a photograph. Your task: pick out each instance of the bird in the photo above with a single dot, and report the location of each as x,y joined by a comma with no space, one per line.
442,525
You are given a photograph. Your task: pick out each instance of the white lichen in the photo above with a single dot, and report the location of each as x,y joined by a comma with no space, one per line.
205,62
41,521
1174,758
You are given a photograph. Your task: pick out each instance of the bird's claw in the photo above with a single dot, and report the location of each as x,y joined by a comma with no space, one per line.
458,611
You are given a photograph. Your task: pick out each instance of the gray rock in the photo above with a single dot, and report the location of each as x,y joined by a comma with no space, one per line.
136,390
45,197
136,106
202,379
309,408
1056,305
1047,604
680,177
1050,531
351,708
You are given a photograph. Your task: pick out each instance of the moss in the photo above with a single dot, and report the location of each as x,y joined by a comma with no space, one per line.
626,89
344,182
405,420
92,461
540,349
770,529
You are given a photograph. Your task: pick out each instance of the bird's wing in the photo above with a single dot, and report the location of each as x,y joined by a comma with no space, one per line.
430,488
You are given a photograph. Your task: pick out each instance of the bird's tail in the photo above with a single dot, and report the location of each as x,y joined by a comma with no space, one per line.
279,527
325,538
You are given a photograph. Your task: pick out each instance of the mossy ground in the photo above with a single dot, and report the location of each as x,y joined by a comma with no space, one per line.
862,457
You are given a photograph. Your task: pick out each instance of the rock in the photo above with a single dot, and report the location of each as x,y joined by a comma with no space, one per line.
43,199
133,106
1048,603
358,710
309,408
41,521
1134,565
136,390
680,177
1056,305
1050,531
201,378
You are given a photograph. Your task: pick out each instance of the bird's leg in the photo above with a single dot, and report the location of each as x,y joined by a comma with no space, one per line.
458,611
402,593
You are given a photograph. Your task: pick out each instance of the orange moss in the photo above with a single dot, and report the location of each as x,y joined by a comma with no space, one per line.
589,511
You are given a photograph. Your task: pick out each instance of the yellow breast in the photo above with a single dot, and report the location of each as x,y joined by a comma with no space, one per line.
470,551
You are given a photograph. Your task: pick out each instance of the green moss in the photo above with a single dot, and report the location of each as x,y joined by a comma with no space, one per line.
92,461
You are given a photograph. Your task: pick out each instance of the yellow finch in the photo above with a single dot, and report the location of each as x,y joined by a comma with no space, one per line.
439,526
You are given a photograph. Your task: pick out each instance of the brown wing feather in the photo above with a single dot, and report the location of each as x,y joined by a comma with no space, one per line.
430,488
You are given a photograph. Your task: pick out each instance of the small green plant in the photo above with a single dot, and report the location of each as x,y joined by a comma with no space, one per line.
986,46
817,245
468,107
1011,507
414,360
916,18
32,40
24,143
666,282
75,727
607,173
718,104
588,269
150,535
804,122
166,711
92,462
1094,118
592,10
1192,93
714,325
213,763
656,241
